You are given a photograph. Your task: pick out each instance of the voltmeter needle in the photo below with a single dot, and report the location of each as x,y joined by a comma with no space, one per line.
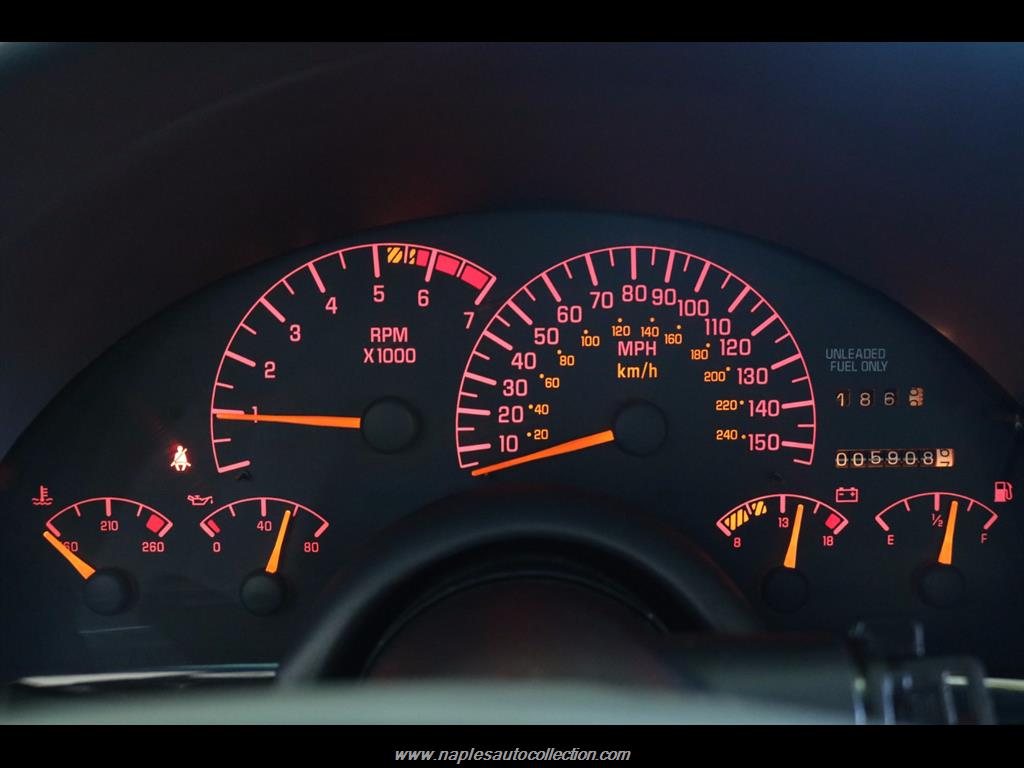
794,538
570,446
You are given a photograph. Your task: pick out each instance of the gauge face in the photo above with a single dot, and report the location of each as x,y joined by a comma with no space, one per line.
272,551
625,345
944,536
790,535
106,540
332,356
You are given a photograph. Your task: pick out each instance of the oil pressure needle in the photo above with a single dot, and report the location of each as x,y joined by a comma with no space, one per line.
275,555
794,538
946,553
580,443
308,420
84,569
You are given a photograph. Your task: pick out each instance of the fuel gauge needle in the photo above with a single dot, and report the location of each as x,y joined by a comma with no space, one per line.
794,538
308,420
84,569
275,555
946,553
579,444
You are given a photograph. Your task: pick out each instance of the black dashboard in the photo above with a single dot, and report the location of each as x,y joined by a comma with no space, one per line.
190,496
343,332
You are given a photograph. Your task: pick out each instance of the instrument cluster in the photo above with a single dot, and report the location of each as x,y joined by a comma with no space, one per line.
189,497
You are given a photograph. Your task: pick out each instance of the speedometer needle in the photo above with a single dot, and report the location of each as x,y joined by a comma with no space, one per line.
598,438
275,555
339,422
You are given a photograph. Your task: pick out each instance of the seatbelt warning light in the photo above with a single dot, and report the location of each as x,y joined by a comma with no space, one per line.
180,461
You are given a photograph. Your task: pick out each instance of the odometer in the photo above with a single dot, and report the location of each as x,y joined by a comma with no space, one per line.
624,345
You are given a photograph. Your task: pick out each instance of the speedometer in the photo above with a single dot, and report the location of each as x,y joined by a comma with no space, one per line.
633,346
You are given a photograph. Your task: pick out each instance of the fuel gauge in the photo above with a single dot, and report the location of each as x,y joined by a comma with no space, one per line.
947,529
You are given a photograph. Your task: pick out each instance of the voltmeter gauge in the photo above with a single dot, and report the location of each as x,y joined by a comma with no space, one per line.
789,536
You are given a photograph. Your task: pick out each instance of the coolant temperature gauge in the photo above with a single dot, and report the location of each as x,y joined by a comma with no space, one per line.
105,540
786,530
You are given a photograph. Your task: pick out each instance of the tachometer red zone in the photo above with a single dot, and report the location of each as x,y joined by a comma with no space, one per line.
635,323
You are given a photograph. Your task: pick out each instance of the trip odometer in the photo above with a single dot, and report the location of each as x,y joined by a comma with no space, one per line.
632,345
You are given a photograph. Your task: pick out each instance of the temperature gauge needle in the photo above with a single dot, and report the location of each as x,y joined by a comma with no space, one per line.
275,555
308,420
84,569
571,446
946,553
794,538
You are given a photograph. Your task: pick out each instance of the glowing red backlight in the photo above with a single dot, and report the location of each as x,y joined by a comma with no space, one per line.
475,277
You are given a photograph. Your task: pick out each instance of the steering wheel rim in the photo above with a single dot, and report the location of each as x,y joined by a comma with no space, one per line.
362,602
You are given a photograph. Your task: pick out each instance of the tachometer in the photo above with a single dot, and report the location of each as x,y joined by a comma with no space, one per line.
627,346
333,350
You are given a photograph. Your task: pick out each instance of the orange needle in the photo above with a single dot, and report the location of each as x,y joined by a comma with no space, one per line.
339,422
555,450
275,555
794,538
946,553
84,569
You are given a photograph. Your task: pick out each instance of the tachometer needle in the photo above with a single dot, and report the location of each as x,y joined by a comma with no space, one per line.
946,553
578,444
794,538
275,555
84,569
338,422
